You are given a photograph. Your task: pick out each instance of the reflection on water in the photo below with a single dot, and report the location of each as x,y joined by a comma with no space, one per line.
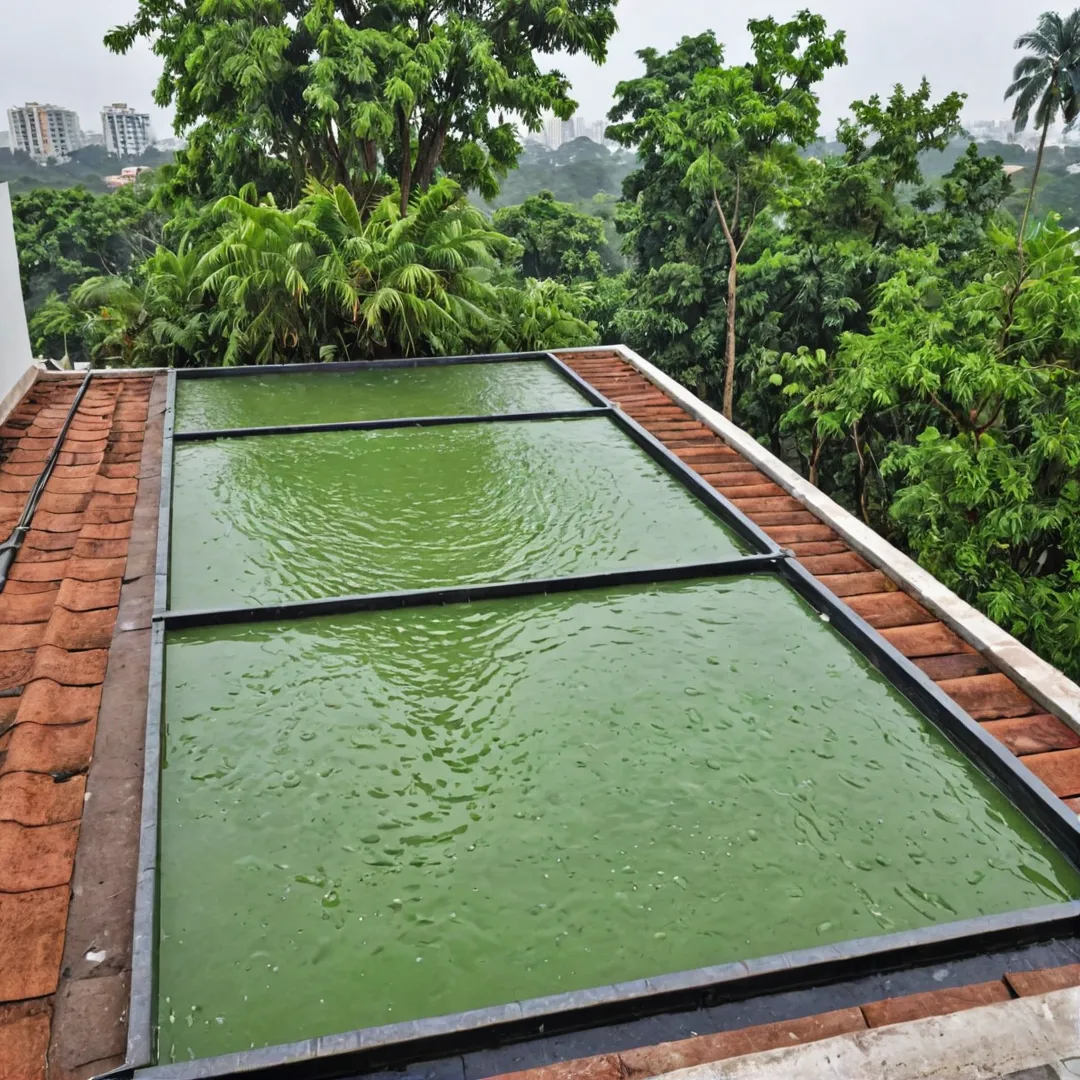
260,520
377,817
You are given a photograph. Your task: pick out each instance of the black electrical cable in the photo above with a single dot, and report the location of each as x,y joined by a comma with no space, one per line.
10,547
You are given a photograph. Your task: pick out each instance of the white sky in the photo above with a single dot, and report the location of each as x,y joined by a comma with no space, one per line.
53,52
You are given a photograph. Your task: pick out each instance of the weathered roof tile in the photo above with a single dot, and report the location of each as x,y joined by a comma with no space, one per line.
37,856
36,799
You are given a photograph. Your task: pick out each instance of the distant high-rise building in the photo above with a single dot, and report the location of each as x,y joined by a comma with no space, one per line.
558,132
552,131
126,132
44,131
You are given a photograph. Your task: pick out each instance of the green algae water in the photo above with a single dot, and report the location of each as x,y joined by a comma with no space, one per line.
296,517
378,817
326,397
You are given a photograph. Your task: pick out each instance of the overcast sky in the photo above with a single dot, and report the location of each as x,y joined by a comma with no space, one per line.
53,51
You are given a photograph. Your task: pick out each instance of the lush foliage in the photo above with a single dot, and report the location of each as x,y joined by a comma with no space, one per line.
64,237
321,281
957,416
557,241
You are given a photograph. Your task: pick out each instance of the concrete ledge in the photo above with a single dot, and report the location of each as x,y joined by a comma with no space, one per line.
978,1044
18,391
1041,681
112,373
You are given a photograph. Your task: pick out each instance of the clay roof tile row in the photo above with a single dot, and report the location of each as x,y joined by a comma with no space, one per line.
57,614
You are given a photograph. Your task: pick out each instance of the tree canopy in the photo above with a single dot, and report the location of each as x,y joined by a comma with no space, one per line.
275,91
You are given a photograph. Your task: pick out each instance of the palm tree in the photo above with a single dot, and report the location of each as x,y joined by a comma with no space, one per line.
324,280
1048,81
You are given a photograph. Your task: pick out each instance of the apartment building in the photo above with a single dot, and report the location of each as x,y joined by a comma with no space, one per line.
44,131
126,132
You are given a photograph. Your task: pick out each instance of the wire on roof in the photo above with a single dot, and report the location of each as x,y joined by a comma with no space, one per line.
10,547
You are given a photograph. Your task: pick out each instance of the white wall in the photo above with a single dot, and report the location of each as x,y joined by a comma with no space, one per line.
15,355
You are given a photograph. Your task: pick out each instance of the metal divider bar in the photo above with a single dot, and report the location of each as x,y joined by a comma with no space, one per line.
140,1038
390,423
357,365
465,594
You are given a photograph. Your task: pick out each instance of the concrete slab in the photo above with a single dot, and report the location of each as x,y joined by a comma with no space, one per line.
1035,1038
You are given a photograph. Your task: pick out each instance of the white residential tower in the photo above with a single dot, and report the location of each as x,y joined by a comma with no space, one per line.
126,132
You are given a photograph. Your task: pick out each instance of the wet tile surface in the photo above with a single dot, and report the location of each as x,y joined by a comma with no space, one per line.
57,614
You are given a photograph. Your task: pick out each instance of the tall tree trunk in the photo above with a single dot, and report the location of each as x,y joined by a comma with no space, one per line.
1031,193
428,153
732,292
729,348
405,139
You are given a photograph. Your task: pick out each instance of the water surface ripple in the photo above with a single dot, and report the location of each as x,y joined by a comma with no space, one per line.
373,818
325,397
267,519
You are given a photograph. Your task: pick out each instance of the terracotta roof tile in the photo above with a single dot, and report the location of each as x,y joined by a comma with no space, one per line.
1036,734
107,531
31,942
1058,770
601,1067
53,571
60,503
116,485
30,554
23,1046
60,750
654,1060
125,470
15,668
80,629
57,615
49,541
44,701
1044,981
89,595
33,608
21,635
934,1003
35,799
95,569
37,856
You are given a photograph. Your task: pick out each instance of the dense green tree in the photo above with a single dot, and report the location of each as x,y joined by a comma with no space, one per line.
66,236
1047,81
897,134
730,135
279,90
156,315
557,240
963,400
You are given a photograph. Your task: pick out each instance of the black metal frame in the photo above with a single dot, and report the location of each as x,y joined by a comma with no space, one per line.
401,1044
